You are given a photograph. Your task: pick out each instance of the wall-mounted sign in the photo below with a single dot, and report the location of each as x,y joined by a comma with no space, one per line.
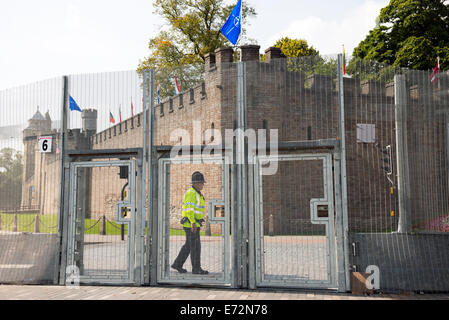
366,133
45,144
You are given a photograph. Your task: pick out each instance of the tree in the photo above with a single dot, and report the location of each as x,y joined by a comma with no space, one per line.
295,47
10,178
192,31
305,58
410,34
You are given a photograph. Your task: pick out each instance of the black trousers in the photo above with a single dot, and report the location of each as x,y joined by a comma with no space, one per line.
192,246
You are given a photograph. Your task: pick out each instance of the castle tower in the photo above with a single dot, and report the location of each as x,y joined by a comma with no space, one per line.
37,125
89,121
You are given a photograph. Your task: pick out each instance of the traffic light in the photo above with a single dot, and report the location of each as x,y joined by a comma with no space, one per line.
387,160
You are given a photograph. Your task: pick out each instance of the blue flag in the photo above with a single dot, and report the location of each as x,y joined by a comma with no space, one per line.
233,26
74,105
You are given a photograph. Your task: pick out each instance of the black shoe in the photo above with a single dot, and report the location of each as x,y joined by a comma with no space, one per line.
200,271
179,269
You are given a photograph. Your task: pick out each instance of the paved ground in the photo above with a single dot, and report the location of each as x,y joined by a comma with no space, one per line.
16,292
301,257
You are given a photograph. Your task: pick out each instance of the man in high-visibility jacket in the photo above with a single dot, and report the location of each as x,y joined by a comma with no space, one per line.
192,219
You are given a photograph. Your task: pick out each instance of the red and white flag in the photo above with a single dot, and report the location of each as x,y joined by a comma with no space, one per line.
177,91
436,70
132,109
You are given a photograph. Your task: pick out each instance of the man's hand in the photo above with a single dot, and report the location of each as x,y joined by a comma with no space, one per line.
194,227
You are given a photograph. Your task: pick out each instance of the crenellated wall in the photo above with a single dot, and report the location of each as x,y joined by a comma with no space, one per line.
301,107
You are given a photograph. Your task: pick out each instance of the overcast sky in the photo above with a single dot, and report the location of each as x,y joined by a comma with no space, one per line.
48,38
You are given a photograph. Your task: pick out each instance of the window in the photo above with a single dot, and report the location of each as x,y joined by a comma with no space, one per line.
366,133
192,96
181,101
203,90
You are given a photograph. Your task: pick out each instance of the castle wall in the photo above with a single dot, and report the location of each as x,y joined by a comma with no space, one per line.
302,108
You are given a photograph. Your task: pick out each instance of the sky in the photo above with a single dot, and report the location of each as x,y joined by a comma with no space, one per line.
50,38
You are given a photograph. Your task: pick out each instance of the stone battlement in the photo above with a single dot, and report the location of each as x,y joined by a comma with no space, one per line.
220,80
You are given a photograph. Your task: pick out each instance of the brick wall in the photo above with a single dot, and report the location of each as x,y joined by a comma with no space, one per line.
301,107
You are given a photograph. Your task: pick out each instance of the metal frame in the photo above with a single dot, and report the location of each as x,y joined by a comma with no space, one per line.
342,178
130,279
164,232
403,175
261,281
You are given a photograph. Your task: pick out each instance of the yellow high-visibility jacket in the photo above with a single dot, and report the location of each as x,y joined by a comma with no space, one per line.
192,207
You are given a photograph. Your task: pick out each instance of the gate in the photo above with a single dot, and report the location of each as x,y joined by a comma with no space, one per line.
174,180
295,236
105,229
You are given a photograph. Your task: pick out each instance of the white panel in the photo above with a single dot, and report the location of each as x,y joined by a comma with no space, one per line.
366,133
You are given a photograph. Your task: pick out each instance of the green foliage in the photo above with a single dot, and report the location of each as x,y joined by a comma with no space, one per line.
304,58
10,178
410,34
364,69
295,47
191,31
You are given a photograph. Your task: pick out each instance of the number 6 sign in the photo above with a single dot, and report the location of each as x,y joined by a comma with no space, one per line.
45,144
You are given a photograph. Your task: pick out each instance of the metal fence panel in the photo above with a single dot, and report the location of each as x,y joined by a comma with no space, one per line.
215,236
108,127
30,149
295,239
397,167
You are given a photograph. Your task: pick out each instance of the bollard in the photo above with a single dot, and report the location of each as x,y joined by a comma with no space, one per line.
103,226
207,231
271,226
36,224
14,223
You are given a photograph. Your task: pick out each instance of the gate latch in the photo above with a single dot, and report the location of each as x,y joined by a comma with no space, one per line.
123,212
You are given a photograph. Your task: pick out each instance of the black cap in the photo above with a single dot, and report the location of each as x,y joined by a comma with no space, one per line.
197,177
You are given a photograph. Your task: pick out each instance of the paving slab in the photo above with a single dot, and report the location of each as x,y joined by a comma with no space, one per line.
36,292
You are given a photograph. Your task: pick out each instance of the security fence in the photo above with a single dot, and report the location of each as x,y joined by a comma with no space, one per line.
314,178
397,174
29,196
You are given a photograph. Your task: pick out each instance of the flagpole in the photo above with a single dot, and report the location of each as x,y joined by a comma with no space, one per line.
241,26
439,69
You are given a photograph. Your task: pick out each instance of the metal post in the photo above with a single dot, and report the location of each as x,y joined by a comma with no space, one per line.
14,223
81,217
241,236
251,224
343,183
400,102
63,203
145,150
341,274
150,157
139,212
